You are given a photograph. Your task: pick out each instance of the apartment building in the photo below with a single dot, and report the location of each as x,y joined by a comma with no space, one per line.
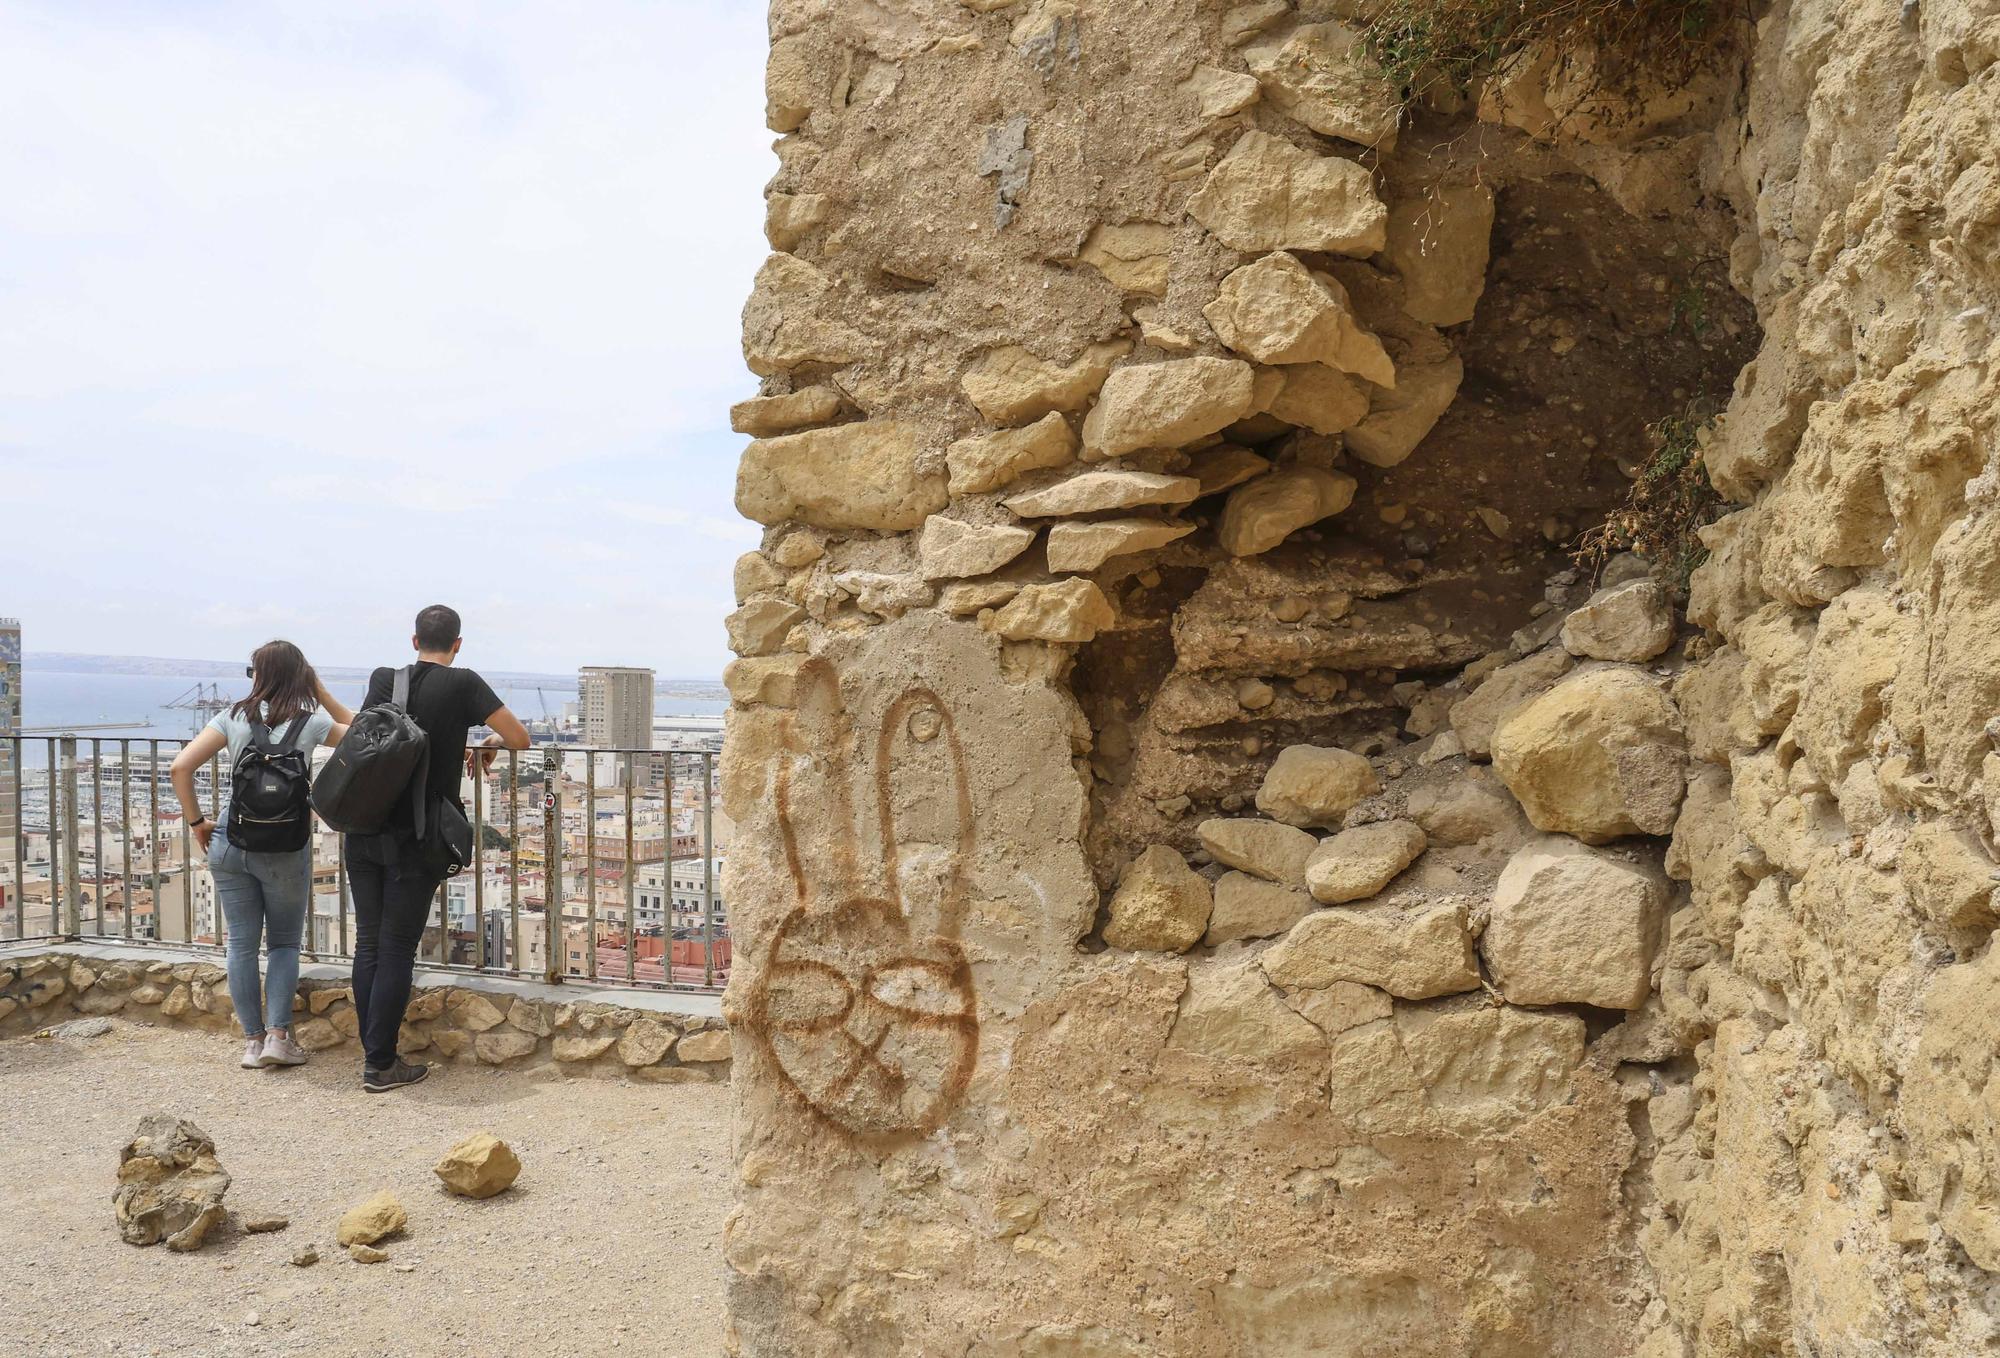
615,707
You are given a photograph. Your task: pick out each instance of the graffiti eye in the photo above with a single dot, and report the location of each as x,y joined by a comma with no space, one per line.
927,988
806,996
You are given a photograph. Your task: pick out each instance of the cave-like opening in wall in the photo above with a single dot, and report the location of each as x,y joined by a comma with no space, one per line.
1558,331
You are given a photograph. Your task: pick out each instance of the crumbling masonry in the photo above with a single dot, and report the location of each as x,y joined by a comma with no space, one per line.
1217,878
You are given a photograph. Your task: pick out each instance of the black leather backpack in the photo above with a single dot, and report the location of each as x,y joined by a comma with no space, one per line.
383,752
268,792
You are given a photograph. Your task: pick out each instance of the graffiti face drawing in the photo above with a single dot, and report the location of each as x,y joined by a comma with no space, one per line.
870,1020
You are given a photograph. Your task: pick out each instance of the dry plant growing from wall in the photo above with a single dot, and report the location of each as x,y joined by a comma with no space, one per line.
1442,46
1670,503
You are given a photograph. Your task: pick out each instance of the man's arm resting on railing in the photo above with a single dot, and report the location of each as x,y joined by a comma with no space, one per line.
508,734
193,755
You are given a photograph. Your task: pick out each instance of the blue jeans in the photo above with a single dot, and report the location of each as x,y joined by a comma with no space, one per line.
262,894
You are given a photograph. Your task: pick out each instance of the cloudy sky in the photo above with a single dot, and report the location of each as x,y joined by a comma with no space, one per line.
313,313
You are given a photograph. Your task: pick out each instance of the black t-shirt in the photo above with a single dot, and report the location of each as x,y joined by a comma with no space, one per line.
445,701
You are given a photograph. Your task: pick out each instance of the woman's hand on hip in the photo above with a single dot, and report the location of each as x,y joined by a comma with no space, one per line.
204,832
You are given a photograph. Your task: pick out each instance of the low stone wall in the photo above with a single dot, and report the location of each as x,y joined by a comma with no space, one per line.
474,1023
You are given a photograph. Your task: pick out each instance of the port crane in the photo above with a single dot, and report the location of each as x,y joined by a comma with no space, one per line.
204,701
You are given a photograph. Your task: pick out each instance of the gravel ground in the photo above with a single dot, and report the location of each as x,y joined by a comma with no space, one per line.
608,1241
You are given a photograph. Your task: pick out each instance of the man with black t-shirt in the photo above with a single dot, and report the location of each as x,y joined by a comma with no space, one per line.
392,885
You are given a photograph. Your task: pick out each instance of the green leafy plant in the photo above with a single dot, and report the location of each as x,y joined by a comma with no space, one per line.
1669,504
1426,44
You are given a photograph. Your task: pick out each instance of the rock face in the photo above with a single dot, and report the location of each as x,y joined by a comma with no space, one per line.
1598,756
1574,925
1161,904
170,1185
1378,368
478,1167
861,475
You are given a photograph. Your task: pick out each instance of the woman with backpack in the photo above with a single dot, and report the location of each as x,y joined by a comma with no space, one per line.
260,857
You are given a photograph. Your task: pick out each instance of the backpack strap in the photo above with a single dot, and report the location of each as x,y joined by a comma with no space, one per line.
419,781
399,693
269,744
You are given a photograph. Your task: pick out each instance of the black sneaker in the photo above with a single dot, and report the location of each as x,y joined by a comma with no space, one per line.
395,1077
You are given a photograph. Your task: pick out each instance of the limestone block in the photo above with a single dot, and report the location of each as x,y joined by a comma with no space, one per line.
1950,877
862,475
1356,864
1504,691
1322,75
1415,954
763,416
1010,385
760,626
472,1011
1165,405
1574,925
1268,194
314,1034
1485,1068
1402,418
145,994
503,1045
1776,641
646,1042
531,1016
989,461
1315,785
321,1000
1161,905
754,574
345,1021
1598,756
951,547
1086,546
425,1005
1250,907
411,1039
1245,22
1262,513
1265,848
98,1002
1316,397
1439,243
794,81
177,1002
1068,611
1341,1006
788,217
1715,709
1230,465
478,1167
170,1185
973,596
1278,311
372,1219
1218,93
708,1045
1134,256
1632,622
1232,1013
1095,492
794,317
883,594
583,1046
1861,641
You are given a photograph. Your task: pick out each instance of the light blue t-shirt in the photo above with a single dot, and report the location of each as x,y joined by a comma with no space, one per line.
236,730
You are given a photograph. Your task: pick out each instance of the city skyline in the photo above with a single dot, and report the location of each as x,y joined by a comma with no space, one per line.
401,306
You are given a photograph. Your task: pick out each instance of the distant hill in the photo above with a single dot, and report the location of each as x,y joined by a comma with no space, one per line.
71,662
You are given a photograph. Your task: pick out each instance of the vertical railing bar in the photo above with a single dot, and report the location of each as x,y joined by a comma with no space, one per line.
187,870
708,870
514,860
590,862
97,830
340,891
215,814
479,870
153,830
55,839
552,893
68,922
629,877
667,883
20,752
125,816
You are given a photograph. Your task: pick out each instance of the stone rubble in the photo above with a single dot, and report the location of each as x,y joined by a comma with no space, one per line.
170,1185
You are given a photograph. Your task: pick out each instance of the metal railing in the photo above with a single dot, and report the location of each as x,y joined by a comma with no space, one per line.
648,935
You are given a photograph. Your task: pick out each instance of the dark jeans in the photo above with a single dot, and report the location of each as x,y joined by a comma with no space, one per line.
392,902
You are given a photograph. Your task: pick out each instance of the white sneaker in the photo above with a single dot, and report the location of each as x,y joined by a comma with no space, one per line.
253,1053
281,1050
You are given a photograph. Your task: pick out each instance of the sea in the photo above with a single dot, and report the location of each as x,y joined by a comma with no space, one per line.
140,705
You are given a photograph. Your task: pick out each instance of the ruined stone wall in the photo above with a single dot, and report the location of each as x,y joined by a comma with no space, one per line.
1216,878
